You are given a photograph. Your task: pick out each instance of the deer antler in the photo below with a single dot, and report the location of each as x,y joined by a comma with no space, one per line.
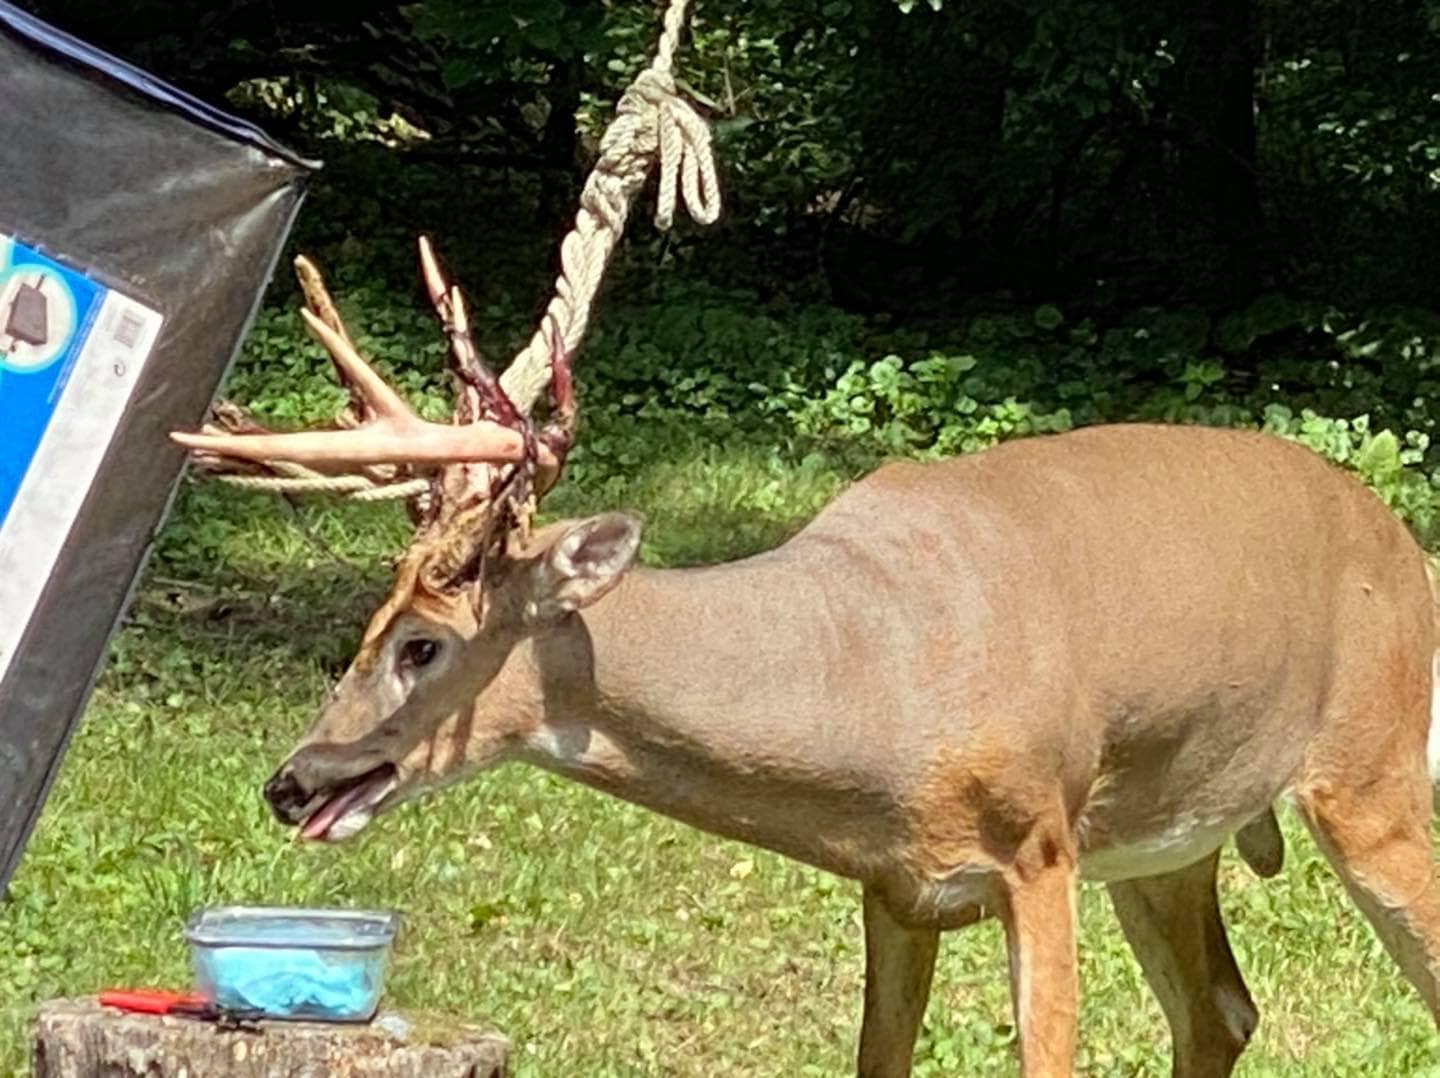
382,428
317,299
466,362
488,468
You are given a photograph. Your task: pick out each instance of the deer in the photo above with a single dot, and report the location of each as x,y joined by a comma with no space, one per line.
966,684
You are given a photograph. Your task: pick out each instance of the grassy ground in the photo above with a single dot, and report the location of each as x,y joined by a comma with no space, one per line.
601,939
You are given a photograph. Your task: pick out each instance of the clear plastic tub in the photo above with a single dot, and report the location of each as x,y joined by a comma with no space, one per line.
316,964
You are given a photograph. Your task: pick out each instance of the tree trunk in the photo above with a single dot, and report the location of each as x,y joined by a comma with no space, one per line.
80,1039
559,142
1214,112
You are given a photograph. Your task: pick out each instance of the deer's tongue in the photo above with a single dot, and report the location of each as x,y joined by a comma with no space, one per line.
364,792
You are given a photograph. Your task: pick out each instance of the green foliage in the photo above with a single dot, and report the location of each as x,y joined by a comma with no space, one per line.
1349,145
925,409
499,38
1390,467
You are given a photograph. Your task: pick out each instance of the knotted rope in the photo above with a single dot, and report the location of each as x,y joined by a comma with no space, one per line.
653,126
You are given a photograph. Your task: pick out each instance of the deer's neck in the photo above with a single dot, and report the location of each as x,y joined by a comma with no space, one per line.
660,696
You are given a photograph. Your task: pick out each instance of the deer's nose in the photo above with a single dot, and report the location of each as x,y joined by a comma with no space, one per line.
286,797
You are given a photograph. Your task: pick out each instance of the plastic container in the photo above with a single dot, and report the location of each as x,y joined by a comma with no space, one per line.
315,964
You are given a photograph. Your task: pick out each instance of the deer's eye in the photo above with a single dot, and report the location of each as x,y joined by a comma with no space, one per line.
418,652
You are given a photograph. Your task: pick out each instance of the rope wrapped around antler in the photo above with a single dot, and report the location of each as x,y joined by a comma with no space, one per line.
653,127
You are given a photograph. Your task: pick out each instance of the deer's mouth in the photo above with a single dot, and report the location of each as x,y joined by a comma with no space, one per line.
348,807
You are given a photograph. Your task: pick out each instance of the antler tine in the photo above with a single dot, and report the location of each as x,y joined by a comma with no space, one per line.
467,363
376,397
558,434
318,300
509,494
317,295
391,433
228,421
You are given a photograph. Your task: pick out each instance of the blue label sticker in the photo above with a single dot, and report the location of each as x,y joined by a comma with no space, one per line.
46,313
71,352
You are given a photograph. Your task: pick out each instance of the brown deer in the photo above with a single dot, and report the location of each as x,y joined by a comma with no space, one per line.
966,685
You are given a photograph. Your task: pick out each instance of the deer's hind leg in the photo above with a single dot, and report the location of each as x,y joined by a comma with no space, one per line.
1173,924
899,966
1366,796
1377,836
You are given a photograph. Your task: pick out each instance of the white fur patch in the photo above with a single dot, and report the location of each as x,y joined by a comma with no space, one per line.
545,741
1238,1013
1183,843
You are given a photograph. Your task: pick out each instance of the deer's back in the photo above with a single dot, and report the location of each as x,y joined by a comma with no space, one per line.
1126,534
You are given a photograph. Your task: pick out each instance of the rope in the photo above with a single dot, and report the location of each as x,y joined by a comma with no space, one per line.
653,124
297,479
355,487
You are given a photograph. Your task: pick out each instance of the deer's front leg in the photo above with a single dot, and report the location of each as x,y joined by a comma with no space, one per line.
899,962
1039,915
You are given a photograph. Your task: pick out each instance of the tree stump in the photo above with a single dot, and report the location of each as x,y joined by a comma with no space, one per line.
81,1039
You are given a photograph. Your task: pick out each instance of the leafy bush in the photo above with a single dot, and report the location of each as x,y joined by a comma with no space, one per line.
1389,466
926,409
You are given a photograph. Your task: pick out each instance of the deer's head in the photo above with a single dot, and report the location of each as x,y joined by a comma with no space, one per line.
444,682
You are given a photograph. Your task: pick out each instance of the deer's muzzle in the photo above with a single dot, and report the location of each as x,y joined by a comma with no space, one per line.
329,799
286,797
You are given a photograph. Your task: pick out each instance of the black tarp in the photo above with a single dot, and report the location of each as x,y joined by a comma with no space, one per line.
177,210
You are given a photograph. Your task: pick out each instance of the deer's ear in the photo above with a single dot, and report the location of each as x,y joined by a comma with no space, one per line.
583,565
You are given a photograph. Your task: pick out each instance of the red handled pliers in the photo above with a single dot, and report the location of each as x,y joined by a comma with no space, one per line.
153,1001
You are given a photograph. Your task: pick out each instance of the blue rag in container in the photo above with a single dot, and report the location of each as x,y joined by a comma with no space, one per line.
283,982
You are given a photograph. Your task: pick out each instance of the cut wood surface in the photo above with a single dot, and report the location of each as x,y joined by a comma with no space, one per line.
77,1038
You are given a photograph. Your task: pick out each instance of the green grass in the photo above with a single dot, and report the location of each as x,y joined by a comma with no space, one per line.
603,940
